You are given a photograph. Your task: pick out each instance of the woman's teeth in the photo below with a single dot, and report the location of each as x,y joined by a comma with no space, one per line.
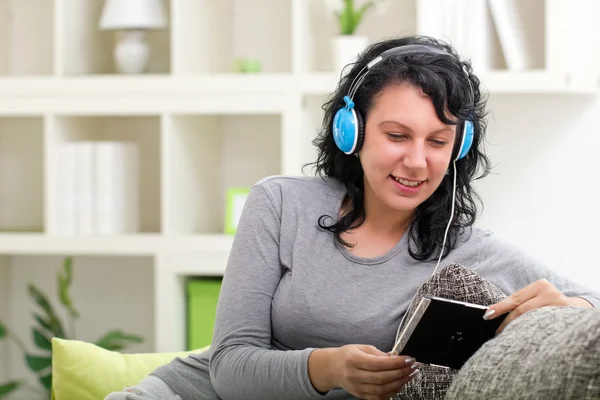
408,183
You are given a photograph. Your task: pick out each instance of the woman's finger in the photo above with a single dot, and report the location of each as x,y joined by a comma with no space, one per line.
532,304
388,390
545,298
517,298
382,363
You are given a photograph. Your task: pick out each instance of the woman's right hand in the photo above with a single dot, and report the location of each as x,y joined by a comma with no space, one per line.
370,374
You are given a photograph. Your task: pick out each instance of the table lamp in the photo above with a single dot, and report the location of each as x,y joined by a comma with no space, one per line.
133,18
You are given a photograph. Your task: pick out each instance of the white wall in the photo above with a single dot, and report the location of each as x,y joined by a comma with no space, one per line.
544,192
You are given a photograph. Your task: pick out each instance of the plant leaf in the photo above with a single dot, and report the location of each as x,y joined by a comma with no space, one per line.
358,15
116,340
65,278
9,387
3,331
42,301
46,380
347,17
56,330
41,340
38,363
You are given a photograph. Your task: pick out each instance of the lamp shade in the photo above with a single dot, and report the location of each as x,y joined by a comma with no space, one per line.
133,14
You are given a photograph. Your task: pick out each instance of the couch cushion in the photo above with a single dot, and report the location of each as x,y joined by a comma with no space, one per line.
548,353
455,282
84,371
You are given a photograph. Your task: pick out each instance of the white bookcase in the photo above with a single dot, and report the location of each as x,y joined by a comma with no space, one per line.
201,128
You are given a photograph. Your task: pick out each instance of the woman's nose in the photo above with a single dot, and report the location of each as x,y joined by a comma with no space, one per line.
415,157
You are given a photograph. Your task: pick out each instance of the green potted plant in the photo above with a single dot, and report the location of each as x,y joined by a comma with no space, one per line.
349,14
48,325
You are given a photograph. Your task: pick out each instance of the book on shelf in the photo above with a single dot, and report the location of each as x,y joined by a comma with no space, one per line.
491,33
515,41
465,24
97,188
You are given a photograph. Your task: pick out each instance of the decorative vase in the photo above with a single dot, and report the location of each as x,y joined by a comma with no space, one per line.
132,52
345,49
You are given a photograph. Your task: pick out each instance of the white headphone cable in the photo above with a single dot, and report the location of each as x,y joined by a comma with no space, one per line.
441,251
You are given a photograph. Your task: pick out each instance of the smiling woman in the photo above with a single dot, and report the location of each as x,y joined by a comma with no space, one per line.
323,269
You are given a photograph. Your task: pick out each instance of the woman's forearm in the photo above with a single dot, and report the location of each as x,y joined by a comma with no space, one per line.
321,369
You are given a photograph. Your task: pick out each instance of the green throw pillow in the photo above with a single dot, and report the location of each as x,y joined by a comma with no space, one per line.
84,371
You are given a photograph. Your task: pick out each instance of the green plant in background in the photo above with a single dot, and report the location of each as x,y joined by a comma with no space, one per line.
48,325
350,14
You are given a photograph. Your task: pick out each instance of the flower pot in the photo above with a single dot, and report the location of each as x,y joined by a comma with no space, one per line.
345,49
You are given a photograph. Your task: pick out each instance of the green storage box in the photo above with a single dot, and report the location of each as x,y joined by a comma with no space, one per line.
202,298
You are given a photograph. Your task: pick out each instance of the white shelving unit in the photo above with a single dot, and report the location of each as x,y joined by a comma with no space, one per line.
201,128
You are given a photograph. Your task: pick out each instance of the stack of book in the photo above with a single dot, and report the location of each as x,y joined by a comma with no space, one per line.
97,188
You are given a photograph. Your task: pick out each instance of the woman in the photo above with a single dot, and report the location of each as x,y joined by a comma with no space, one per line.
323,269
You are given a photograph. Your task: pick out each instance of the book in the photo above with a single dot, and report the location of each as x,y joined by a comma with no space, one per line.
98,186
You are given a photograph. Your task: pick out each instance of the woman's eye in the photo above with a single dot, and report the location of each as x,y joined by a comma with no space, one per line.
396,136
439,143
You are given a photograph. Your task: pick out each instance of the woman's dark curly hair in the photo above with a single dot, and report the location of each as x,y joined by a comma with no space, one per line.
444,79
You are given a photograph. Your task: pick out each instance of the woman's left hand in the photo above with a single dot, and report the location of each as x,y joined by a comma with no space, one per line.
539,294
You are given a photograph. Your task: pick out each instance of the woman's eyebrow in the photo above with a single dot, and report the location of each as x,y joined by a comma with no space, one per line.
408,128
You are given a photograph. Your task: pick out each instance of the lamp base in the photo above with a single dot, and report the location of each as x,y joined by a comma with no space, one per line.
132,52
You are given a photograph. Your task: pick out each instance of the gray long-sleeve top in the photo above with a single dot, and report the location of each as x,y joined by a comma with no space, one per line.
290,287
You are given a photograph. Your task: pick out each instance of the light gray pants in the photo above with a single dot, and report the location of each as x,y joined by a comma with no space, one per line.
150,388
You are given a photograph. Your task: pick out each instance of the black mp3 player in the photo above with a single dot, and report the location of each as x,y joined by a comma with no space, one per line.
445,332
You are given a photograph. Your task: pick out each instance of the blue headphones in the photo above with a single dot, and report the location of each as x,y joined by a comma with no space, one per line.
348,124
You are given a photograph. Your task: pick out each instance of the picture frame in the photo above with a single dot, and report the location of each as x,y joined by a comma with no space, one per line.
236,199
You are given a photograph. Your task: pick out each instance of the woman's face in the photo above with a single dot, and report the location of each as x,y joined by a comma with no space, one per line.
406,150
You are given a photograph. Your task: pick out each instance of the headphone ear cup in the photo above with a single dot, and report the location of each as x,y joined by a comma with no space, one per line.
345,130
466,140
361,131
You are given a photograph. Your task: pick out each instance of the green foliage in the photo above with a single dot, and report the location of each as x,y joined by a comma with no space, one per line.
117,340
65,278
350,17
8,388
49,325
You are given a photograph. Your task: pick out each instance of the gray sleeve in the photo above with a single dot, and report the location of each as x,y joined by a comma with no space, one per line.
511,269
243,365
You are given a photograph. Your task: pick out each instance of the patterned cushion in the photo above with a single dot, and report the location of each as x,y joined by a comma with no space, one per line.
548,353
455,282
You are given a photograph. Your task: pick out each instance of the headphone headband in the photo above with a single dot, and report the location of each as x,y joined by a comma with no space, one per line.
397,51
348,124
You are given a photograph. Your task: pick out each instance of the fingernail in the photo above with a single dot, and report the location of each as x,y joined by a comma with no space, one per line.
414,366
409,361
488,314
412,375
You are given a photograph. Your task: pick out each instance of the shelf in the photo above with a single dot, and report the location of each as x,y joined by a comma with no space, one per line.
26,37
22,173
148,94
147,244
211,35
88,50
493,81
205,156
143,132
224,93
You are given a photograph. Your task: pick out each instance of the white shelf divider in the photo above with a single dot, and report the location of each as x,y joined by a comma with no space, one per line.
131,245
